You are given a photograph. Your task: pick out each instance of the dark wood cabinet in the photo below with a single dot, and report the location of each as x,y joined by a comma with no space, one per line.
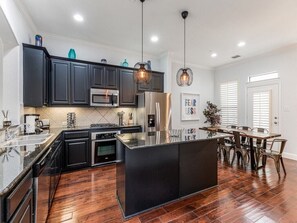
79,84
24,214
104,77
36,64
76,152
69,83
127,89
60,82
131,129
156,84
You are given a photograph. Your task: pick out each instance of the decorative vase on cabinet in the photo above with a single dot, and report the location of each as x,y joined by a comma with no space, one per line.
72,54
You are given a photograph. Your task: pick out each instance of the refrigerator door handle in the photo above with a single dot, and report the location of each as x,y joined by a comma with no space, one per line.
157,116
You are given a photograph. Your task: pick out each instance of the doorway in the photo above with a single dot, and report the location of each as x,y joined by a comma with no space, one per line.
263,106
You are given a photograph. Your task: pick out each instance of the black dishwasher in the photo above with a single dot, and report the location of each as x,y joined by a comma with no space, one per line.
46,172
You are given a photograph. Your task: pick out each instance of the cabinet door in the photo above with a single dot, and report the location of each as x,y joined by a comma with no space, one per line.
97,76
76,153
157,82
60,80
79,84
127,88
144,87
35,77
111,78
24,214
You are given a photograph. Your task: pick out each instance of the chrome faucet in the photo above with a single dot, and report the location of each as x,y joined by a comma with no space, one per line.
12,131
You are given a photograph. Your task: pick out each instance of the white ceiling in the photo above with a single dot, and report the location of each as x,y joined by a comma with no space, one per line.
212,25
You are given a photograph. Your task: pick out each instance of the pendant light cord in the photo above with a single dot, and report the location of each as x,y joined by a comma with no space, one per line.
184,43
142,32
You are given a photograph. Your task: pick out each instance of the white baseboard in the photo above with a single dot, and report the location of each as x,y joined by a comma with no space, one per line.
290,156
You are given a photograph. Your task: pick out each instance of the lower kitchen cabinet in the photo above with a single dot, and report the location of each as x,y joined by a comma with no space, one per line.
18,204
24,214
127,89
76,153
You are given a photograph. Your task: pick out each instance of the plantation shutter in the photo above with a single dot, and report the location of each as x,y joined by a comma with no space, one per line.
261,109
228,98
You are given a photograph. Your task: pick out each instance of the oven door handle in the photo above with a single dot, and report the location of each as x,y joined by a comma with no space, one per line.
104,140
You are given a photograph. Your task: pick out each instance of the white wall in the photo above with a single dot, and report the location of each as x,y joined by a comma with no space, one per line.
59,46
284,62
13,60
1,76
203,84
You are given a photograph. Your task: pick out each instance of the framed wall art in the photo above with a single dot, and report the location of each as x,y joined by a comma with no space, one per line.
190,106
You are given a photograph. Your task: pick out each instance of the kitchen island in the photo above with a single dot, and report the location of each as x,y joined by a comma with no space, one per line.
155,167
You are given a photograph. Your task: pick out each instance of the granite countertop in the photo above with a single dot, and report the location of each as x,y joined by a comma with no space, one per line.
149,139
16,162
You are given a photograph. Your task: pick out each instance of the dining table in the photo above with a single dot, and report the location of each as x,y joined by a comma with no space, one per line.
249,134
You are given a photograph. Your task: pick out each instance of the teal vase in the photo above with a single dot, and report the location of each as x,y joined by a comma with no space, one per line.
72,54
125,63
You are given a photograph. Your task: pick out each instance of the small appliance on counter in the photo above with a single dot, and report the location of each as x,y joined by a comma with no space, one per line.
33,123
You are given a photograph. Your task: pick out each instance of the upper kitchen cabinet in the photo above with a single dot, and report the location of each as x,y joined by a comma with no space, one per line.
35,75
79,84
69,83
127,88
104,77
156,84
60,82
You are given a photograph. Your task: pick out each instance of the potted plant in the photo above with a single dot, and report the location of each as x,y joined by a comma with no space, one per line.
212,114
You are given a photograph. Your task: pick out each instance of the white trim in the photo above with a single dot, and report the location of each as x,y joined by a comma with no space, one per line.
290,156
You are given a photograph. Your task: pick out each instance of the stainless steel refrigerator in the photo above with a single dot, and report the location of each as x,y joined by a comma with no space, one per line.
154,111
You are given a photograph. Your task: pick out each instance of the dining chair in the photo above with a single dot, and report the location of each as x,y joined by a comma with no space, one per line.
275,152
225,149
244,140
232,126
241,150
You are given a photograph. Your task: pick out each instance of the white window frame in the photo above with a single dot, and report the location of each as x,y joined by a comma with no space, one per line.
263,74
222,107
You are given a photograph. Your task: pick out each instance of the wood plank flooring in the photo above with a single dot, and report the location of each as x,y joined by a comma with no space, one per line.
241,196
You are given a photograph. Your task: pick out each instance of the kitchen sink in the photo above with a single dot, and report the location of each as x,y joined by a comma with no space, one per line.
27,140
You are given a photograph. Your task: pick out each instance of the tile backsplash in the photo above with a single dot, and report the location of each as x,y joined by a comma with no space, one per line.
84,116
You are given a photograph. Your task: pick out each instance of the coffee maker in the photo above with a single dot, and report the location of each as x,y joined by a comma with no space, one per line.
31,121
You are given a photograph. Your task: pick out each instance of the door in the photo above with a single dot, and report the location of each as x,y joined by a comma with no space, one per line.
263,106
127,88
77,153
97,76
60,82
111,78
79,84
157,82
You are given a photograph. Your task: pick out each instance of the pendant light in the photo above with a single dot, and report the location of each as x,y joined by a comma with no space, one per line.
143,73
184,76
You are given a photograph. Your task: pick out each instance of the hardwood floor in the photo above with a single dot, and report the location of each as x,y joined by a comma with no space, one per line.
241,196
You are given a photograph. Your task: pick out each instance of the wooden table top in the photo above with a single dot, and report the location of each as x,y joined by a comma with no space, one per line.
250,134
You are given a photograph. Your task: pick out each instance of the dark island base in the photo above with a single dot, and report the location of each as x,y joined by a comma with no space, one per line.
152,176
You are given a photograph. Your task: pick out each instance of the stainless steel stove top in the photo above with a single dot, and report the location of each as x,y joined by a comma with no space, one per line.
103,125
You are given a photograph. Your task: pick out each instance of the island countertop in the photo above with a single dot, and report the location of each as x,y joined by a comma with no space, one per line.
149,139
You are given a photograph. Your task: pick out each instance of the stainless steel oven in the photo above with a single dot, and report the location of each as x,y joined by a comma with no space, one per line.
104,97
104,147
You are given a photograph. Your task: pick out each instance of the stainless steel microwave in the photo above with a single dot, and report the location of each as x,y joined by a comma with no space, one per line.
104,97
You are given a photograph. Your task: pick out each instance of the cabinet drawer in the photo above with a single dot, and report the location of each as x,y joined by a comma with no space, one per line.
75,135
17,195
131,130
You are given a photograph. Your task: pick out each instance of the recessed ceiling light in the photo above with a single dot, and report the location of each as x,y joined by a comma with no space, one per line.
241,44
213,55
154,39
78,17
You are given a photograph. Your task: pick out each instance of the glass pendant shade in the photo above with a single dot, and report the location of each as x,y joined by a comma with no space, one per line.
184,77
143,74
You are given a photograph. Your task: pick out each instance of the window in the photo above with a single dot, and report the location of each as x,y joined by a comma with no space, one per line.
261,109
228,97
263,77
